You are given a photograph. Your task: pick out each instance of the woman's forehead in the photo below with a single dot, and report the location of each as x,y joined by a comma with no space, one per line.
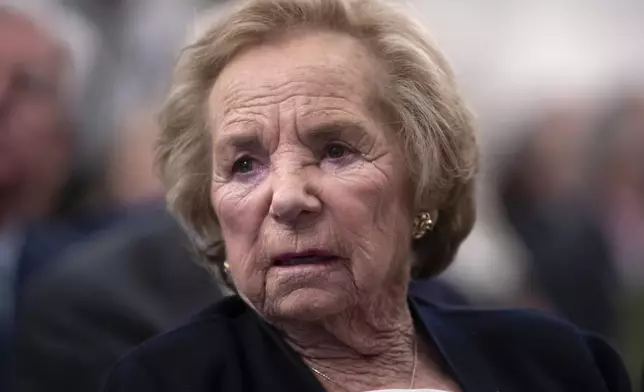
311,48
315,65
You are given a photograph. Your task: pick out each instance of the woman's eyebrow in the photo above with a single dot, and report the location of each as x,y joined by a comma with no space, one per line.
250,139
346,130
235,141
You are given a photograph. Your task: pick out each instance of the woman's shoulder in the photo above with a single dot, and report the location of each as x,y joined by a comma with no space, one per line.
506,324
214,324
511,338
190,352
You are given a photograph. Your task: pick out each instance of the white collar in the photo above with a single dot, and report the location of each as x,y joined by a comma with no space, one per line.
408,390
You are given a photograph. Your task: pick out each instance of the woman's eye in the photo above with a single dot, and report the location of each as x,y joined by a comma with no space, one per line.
336,151
243,165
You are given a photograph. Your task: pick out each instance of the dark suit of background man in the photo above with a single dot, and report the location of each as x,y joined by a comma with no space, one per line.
106,296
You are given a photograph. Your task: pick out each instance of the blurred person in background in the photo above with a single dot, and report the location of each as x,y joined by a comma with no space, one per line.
616,174
136,278
46,53
617,183
570,268
114,290
130,176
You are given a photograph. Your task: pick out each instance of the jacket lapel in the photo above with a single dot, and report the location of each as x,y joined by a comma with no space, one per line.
468,365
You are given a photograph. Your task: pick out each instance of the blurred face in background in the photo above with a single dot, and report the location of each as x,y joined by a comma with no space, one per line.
557,154
131,175
628,166
33,145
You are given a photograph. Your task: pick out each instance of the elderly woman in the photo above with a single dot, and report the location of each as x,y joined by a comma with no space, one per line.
320,156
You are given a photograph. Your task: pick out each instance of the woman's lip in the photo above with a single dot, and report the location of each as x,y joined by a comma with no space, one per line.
308,254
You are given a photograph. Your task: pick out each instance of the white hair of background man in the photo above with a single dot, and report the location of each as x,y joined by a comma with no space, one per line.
77,38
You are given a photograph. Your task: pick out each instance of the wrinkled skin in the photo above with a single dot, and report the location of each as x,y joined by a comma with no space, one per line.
301,160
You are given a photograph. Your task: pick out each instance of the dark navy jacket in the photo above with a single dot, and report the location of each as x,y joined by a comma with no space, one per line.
229,348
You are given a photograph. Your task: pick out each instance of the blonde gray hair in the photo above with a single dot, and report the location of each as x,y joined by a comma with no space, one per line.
418,94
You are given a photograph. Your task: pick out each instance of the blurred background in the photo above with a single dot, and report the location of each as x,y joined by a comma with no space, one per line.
91,265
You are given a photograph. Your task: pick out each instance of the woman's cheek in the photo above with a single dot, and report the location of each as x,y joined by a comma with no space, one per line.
241,211
364,203
233,204
239,224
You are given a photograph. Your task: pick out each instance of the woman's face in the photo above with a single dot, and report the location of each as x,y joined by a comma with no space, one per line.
310,188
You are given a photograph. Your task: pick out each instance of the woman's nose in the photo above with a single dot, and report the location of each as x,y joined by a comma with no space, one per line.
293,200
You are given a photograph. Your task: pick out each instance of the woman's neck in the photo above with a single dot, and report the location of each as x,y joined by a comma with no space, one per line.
350,335
361,346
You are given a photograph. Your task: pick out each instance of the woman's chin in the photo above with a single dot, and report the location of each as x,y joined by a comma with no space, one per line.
308,304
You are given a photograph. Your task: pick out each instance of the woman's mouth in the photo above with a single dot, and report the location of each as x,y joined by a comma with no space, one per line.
313,256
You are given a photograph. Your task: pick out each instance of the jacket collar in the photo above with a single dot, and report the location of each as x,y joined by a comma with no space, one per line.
468,366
